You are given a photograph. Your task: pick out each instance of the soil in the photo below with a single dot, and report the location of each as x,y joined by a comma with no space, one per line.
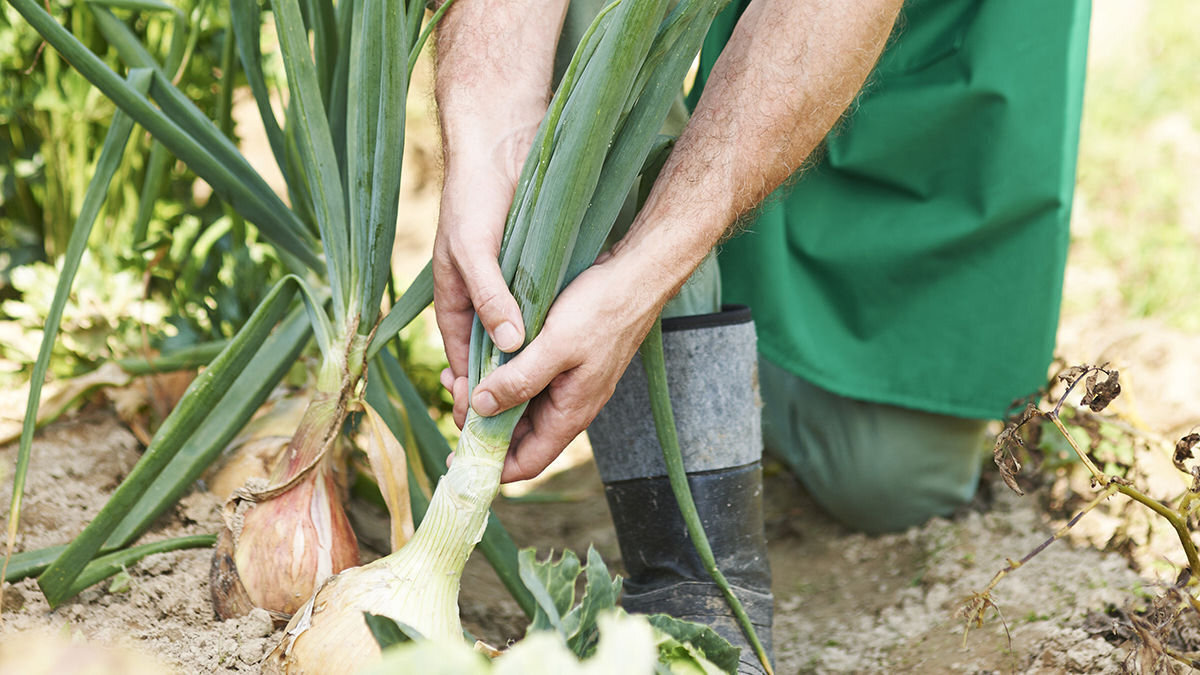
845,602
163,608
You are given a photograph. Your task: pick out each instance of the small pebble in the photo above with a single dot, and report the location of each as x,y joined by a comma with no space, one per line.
257,624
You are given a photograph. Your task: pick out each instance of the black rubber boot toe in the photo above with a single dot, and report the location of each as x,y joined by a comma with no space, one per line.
665,572
712,374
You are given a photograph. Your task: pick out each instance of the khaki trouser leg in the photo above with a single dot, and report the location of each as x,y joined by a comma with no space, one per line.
875,467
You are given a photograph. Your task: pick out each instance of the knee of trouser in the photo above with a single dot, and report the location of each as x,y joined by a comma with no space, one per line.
874,467
896,498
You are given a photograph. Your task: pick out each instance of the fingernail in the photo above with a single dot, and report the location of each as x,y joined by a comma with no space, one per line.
485,404
446,377
507,337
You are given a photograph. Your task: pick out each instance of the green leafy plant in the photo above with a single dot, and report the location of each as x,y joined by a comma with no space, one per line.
1178,601
206,268
102,320
566,636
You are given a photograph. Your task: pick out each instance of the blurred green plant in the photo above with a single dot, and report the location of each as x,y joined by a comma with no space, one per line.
103,320
51,119
202,262
1139,154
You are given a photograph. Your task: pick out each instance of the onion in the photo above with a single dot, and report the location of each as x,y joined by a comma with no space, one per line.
417,585
281,541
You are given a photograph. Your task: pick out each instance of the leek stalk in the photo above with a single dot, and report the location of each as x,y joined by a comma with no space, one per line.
610,74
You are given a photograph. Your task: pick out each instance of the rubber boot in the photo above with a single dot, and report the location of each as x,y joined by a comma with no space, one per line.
712,375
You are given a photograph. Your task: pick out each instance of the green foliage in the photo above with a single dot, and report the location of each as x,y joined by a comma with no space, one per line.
210,275
593,636
1138,219
685,643
208,271
553,586
51,122
104,319
388,632
578,625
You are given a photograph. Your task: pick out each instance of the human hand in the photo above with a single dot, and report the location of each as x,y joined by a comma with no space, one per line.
476,194
495,61
571,369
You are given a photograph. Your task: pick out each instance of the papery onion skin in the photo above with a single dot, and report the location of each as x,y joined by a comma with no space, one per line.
417,585
280,544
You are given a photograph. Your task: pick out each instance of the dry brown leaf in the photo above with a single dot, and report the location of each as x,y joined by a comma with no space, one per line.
147,401
58,396
389,464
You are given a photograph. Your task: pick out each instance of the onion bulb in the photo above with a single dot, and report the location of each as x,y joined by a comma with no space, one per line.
282,540
417,585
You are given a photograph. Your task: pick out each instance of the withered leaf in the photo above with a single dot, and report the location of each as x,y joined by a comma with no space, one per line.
1005,461
388,462
1071,374
1183,450
1101,393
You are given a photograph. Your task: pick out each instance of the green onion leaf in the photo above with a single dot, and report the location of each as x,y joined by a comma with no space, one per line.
110,158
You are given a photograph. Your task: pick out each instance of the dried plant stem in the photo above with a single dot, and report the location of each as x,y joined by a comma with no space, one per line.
1058,534
1098,395
1188,503
979,601
1177,522
1109,482
1187,660
1098,475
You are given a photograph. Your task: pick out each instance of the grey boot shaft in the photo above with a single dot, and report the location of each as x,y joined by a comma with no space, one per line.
712,373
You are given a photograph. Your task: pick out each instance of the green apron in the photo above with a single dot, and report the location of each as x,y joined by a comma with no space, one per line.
920,262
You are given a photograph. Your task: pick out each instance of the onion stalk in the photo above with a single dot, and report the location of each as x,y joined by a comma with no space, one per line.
610,104
294,534
418,585
348,68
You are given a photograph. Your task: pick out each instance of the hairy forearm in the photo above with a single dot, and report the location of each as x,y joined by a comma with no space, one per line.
495,59
789,71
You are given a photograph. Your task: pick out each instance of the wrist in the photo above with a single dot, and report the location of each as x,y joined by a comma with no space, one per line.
641,279
665,246
487,150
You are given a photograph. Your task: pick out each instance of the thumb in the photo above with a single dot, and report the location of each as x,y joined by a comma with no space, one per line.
517,381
